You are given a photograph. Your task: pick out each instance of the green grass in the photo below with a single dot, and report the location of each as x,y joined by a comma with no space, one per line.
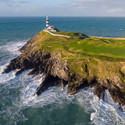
91,56
100,48
89,46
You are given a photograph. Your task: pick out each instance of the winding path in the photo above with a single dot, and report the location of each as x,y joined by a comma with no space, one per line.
54,34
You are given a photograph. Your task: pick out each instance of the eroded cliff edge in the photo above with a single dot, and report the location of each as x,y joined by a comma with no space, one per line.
56,58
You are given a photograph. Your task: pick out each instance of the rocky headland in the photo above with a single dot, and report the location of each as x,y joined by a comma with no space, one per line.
73,62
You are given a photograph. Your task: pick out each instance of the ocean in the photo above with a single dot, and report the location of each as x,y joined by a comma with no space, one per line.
19,105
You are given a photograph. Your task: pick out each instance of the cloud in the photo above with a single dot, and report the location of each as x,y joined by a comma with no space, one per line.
96,3
24,2
5,0
83,2
97,7
14,1
115,10
63,7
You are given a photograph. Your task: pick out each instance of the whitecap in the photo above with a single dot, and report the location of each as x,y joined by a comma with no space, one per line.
6,76
101,112
13,47
51,95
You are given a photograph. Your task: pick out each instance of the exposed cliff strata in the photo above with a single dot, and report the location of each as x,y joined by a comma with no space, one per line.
57,70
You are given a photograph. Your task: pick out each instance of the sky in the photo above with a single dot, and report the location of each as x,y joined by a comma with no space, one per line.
108,8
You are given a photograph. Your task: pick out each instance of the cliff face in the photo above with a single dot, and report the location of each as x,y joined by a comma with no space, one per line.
58,70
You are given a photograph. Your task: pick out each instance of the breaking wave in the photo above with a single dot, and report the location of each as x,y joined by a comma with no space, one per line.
13,47
102,112
8,52
20,91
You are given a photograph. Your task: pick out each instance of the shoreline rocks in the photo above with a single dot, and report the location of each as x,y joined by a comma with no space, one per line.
56,70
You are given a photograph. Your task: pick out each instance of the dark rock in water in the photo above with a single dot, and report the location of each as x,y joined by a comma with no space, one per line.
20,71
75,86
77,82
36,71
99,90
63,83
118,96
48,81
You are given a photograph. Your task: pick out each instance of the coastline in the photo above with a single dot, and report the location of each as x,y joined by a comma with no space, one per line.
41,59
19,105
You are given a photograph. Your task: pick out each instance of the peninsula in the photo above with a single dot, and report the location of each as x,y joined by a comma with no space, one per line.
76,60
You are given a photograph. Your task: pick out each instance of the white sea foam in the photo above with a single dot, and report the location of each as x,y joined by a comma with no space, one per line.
8,81
6,77
52,95
108,97
12,47
102,113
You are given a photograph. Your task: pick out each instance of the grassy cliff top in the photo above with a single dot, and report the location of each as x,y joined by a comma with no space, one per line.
104,48
92,56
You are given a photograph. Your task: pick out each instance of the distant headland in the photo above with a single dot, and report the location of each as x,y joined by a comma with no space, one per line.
76,60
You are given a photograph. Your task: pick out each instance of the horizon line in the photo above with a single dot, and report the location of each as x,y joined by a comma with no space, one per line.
68,16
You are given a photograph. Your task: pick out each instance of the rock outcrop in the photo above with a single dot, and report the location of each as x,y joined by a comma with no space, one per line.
57,71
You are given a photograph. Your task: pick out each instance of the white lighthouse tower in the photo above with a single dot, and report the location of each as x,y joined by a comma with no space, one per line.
49,27
47,22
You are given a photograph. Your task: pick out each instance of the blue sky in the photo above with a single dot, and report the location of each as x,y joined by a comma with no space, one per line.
62,8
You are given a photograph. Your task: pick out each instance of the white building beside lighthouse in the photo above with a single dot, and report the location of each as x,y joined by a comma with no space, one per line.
48,27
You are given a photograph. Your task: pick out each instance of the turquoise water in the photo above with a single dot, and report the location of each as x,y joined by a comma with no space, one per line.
19,105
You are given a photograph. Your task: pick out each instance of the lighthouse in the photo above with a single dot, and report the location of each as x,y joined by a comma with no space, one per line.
47,22
49,27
